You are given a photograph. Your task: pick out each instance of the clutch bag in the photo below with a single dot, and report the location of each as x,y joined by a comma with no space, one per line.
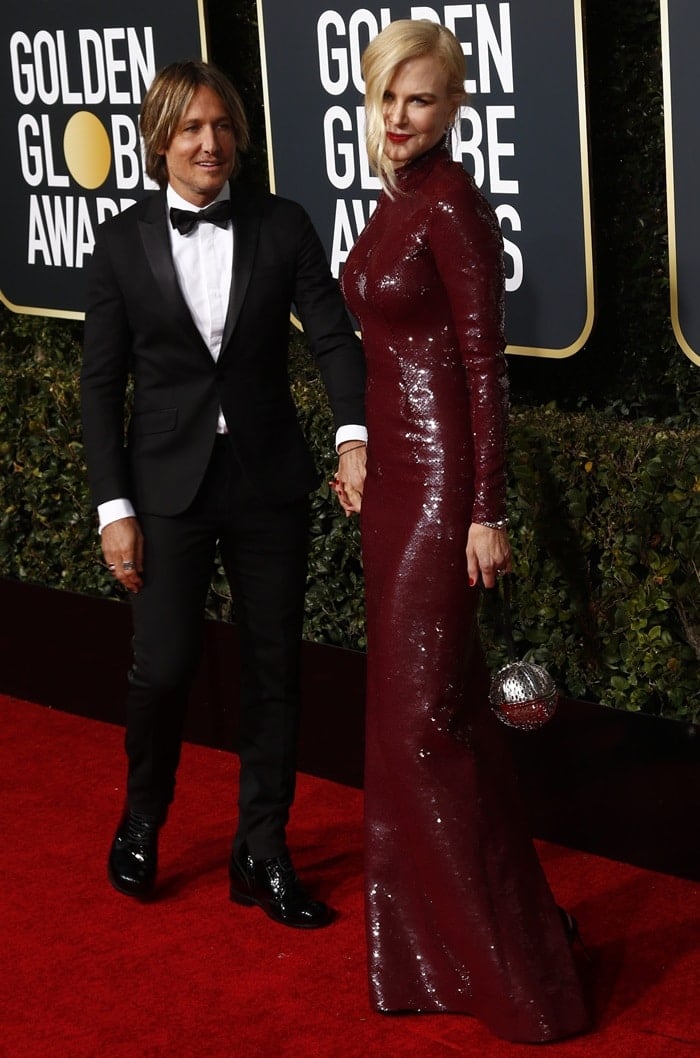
522,695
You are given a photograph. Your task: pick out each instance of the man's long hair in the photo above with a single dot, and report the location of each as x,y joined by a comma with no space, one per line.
168,98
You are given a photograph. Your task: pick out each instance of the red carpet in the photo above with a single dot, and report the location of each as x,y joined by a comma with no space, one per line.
88,973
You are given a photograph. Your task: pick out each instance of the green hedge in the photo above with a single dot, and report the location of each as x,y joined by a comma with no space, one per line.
605,525
606,534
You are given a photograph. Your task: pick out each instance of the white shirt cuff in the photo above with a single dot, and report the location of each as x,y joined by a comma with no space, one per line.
113,510
350,433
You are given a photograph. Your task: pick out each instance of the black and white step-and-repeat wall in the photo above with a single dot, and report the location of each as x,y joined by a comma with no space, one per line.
680,36
523,136
72,80
74,76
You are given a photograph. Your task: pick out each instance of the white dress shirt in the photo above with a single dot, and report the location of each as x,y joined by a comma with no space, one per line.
203,262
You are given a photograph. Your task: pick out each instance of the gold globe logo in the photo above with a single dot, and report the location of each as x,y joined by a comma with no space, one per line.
87,150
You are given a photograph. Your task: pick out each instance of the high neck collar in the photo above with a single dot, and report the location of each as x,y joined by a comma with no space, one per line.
410,173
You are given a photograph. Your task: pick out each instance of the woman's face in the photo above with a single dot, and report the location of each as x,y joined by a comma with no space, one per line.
417,109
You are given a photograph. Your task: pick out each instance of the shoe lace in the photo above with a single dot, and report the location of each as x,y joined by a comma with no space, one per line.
285,867
140,829
284,878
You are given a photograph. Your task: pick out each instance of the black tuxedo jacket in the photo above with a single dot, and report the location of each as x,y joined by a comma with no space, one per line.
137,323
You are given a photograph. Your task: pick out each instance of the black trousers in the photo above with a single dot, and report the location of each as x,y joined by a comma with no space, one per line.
264,551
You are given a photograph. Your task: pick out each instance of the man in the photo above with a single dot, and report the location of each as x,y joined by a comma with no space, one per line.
189,294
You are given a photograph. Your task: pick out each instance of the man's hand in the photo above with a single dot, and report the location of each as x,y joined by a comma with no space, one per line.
349,479
122,547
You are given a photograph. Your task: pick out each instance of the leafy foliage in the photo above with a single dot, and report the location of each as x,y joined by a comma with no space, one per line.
46,532
606,539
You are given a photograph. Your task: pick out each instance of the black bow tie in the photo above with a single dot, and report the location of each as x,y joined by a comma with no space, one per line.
184,220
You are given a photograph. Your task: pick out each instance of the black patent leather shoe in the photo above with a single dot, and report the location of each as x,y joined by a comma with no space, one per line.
274,886
133,858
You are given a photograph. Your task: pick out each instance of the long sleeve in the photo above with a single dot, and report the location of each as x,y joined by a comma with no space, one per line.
327,326
466,243
106,352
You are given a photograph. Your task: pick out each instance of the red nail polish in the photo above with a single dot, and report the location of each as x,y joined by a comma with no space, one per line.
472,582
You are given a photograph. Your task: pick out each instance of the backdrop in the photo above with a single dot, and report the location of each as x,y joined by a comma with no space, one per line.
72,83
680,35
523,137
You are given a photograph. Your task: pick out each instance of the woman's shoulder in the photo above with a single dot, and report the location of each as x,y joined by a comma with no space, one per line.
452,179
452,189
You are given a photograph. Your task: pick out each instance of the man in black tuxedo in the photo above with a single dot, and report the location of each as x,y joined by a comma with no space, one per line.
189,295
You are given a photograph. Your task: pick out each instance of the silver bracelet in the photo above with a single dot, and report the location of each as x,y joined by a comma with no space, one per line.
502,523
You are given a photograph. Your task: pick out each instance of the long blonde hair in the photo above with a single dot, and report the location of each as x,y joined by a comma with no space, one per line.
399,41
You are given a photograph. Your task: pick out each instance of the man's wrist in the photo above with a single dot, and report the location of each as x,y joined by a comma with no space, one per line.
113,511
351,446
355,433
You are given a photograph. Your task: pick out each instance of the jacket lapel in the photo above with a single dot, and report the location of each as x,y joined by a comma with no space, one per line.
153,228
246,228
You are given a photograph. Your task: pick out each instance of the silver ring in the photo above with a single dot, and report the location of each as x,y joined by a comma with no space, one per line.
127,566
111,567
500,573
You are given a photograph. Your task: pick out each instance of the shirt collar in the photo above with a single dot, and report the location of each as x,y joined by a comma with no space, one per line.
173,199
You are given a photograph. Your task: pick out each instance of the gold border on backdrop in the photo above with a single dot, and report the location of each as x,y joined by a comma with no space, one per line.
30,310
560,354
268,121
203,42
67,314
670,186
585,182
266,96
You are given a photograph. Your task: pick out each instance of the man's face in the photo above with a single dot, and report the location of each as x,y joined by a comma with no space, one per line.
201,155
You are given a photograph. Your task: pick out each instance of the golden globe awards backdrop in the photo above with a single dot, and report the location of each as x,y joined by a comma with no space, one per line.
523,137
680,36
73,78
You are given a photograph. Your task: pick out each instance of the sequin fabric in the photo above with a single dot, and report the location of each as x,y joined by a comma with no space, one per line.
459,915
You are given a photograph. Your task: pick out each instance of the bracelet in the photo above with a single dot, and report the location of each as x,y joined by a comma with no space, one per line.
362,444
502,523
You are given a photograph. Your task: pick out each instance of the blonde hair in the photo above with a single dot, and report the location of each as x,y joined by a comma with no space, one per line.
168,98
399,41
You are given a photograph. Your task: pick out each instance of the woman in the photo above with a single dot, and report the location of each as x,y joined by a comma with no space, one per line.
459,914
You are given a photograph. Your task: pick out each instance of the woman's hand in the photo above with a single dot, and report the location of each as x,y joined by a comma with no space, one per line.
488,554
349,479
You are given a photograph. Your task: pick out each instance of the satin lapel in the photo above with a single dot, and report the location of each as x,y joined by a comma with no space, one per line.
153,228
246,229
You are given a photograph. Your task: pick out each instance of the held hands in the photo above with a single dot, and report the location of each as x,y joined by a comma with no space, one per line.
488,554
349,479
122,547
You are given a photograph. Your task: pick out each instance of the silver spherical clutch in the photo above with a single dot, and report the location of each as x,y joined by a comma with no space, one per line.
523,695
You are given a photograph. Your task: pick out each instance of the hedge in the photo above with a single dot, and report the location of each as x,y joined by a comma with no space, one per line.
605,527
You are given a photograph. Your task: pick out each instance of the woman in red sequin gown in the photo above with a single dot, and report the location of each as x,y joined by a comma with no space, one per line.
459,915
